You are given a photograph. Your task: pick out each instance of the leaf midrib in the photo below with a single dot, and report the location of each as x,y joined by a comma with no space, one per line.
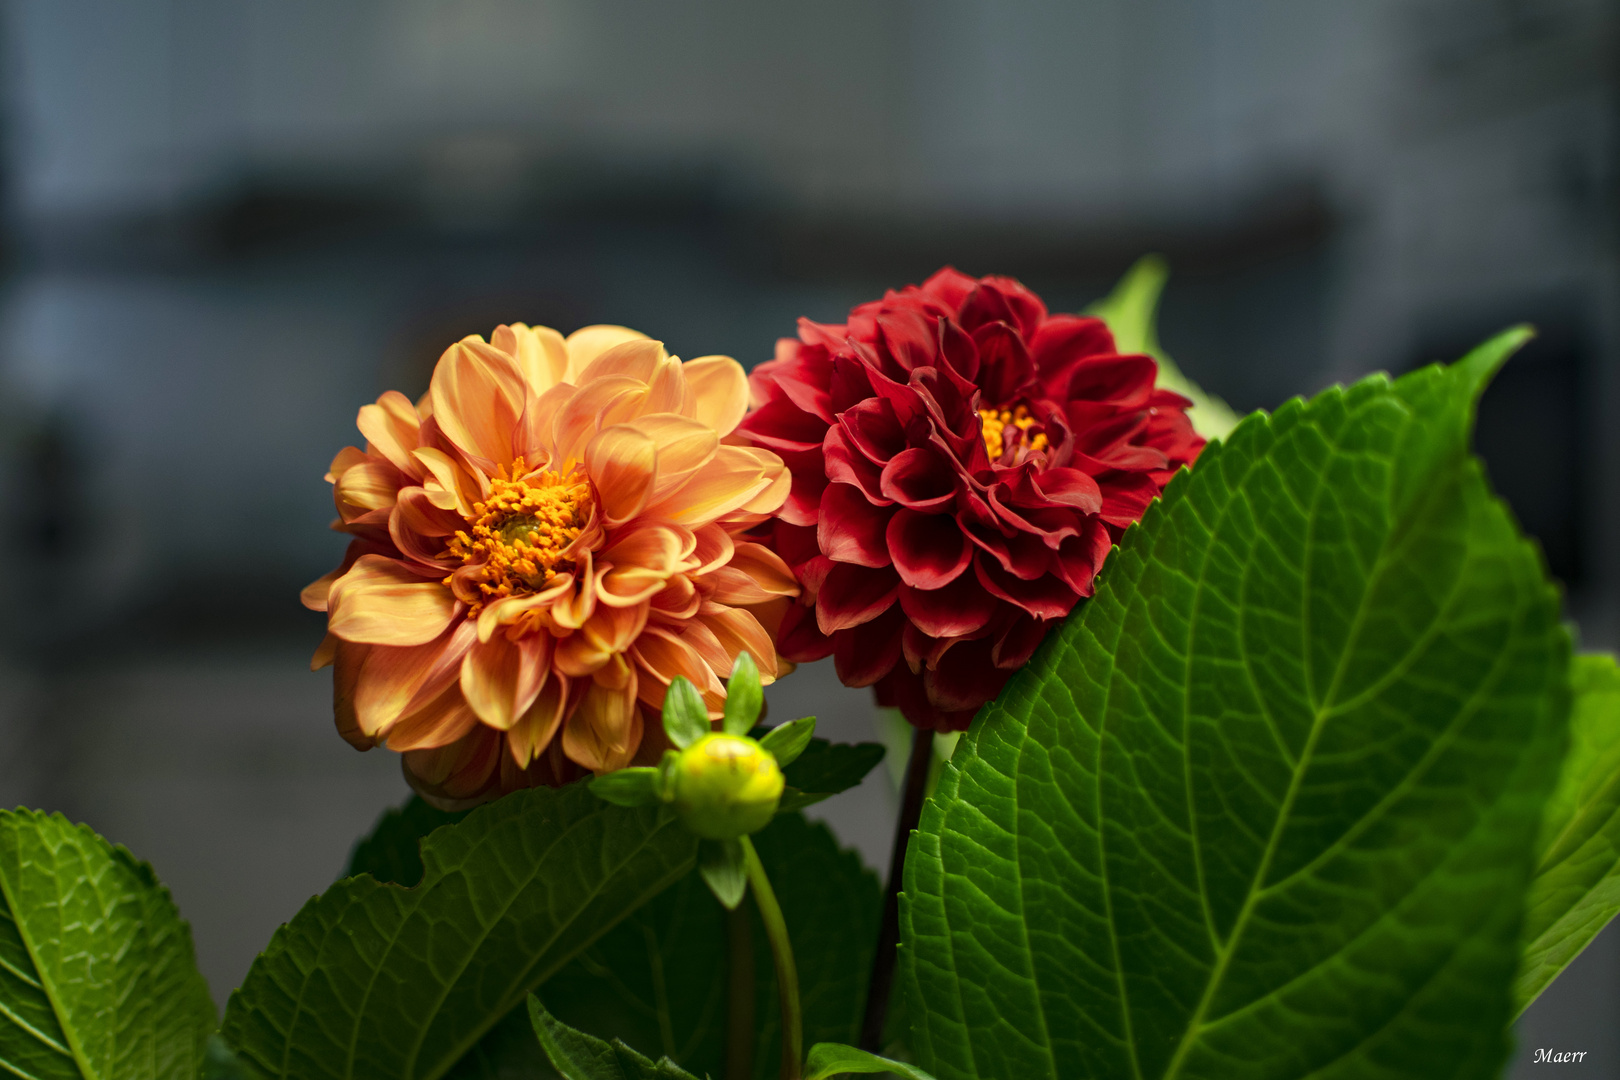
45,982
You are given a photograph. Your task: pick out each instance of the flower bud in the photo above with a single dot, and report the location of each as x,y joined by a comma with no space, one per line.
726,786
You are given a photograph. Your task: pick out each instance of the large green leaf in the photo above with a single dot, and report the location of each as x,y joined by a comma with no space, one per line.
1576,890
1130,312
1266,806
373,979
97,976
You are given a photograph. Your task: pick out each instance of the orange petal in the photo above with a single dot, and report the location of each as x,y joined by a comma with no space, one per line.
588,342
418,528
621,462
739,631
398,680
571,612
368,485
580,417
348,661
684,447
440,722
381,603
535,729
345,459
714,548
772,496
449,485
478,395
667,391
604,730
540,352
392,428
720,390
679,599
612,629
640,562
637,358
533,438
460,775
662,656
733,478
325,652
500,678
770,574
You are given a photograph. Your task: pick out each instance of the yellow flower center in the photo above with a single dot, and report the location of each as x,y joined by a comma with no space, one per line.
995,429
522,530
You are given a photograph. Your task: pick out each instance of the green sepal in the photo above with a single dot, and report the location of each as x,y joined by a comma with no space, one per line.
685,718
744,697
578,1056
635,786
787,742
834,1059
668,765
722,865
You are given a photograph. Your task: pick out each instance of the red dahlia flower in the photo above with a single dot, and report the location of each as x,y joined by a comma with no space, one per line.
962,462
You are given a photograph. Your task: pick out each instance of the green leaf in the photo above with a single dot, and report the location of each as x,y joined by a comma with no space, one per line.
635,786
788,741
1576,890
373,979
834,1059
97,975
744,697
722,866
392,850
686,720
659,980
578,1056
1130,312
1267,805
824,769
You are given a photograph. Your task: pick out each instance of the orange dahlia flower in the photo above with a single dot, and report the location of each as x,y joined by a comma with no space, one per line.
541,543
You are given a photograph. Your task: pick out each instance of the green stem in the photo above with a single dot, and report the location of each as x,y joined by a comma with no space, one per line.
740,1011
787,975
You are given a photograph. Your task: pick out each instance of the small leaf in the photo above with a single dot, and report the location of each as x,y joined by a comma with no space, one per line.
1576,890
744,698
635,786
722,865
685,718
824,769
373,979
787,742
834,1059
1130,312
578,1056
97,974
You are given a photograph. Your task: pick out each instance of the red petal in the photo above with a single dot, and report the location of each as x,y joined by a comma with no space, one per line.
919,478
1045,597
847,465
928,550
965,678
1006,369
781,425
950,287
851,529
798,638
962,607
1017,643
874,429
853,595
1126,381
902,689
804,494
957,349
1126,497
908,334
865,654
1062,342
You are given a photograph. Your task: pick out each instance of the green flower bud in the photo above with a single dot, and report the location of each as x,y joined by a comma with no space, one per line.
725,786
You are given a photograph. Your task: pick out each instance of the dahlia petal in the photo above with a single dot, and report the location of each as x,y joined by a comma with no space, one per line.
712,547
392,429
448,484
571,611
581,416
418,528
952,610
442,721
639,562
847,465
875,429
366,486
949,286
963,679
866,653
919,478
478,394
325,652
604,729
1015,645
903,689
533,438
733,478
1006,369
314,595
501,677
799,639
345,459
852,595
380,602
1126,497
781,425
957,348
622,463
458,775
909,336
588,342
348,661
677,601
1061,343
928,550
684,446
1125,381
720,389
850,529
766,569
662,656
1080,558
536,728
770,498
540,352
1045,598
398,680
667,391
1068,487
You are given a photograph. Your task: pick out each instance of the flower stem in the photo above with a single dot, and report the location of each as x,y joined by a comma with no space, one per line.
882,984
740,995
787,974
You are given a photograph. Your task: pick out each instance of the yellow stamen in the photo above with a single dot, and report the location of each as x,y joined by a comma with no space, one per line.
995,427
521,532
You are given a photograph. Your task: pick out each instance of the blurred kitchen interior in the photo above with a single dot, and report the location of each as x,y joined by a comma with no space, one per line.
228,224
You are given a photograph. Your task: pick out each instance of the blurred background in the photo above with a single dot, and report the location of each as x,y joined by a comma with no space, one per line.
227,224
